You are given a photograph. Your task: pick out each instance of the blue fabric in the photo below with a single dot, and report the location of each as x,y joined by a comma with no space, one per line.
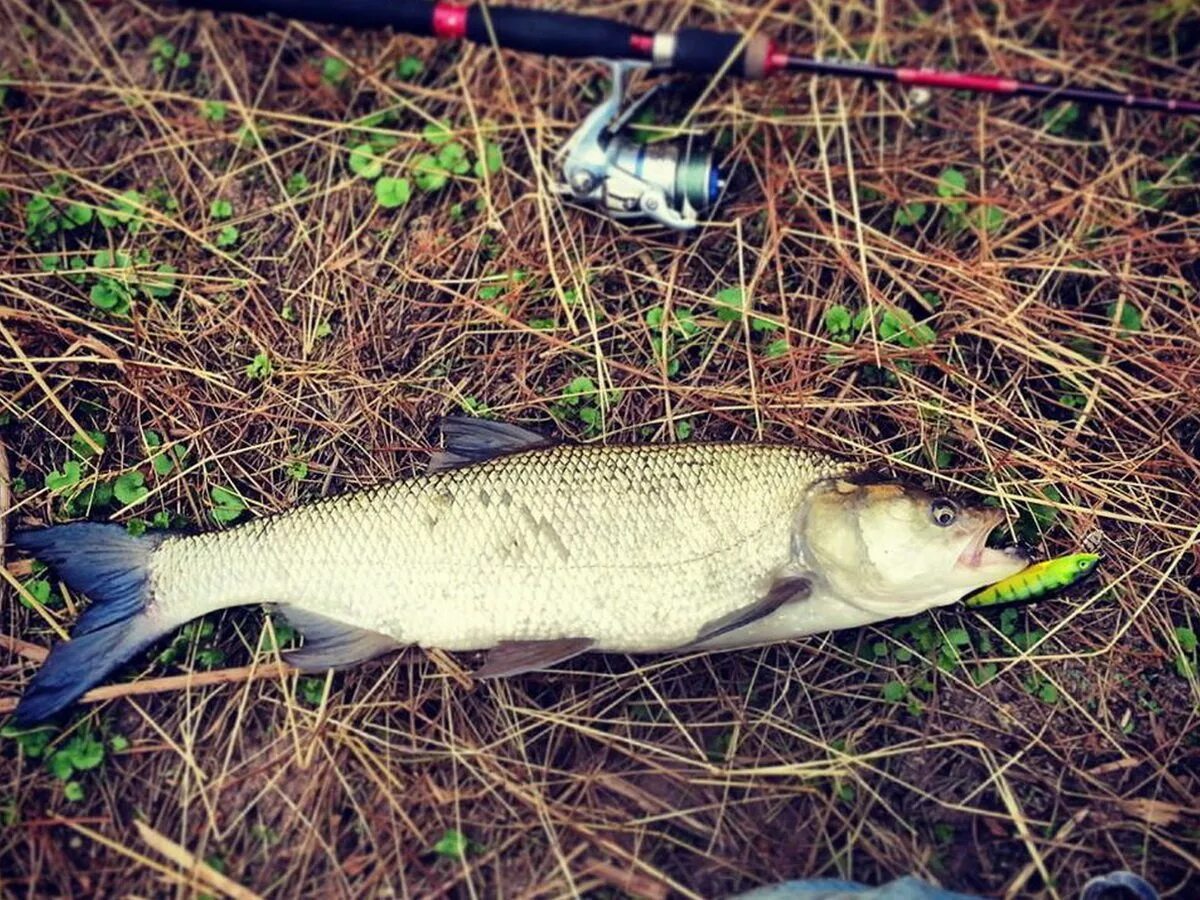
1119,886
1114,886
907,888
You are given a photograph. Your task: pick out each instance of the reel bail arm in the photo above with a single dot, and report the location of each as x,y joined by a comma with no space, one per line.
671,182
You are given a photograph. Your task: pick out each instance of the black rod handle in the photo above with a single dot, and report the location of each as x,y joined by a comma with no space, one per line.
696,50
411,16
551,33
539,31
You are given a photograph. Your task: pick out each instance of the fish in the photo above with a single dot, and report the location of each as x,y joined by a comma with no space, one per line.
1037,580
535,551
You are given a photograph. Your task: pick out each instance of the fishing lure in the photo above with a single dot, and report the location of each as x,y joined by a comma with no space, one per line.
1036,581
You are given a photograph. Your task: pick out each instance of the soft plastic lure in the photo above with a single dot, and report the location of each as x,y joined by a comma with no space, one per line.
1036,581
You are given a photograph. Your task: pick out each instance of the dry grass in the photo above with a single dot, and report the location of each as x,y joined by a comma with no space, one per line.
693,776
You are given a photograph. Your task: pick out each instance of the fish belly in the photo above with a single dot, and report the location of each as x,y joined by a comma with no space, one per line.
637,548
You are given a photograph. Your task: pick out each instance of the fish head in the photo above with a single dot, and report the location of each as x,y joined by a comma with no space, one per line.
897,550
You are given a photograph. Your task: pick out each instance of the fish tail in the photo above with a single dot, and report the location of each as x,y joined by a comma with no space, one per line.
112,567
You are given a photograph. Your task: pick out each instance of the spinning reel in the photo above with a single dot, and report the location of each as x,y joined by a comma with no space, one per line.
671,182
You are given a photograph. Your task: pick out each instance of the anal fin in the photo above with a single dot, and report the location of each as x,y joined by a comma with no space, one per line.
331,644
515,657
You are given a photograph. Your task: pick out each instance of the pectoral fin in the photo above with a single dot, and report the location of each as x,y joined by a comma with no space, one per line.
785,589
477,440
515,657
330,644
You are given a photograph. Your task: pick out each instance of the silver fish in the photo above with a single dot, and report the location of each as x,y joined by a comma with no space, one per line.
535,552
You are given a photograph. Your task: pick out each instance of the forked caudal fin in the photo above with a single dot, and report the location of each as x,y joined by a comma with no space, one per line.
112,568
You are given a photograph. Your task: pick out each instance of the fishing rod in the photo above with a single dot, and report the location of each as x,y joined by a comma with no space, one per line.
670,181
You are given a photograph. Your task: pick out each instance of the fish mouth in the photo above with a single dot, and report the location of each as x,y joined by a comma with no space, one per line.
977,555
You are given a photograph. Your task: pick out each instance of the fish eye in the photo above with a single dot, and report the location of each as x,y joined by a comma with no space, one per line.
943,511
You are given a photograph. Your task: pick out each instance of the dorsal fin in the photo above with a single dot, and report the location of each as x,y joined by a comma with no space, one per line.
469,441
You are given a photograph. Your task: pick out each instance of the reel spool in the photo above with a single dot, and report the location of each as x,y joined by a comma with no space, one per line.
671,182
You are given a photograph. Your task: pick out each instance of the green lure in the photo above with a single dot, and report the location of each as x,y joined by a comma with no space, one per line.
1036,581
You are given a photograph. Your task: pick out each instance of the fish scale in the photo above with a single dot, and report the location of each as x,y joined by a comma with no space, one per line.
636,547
